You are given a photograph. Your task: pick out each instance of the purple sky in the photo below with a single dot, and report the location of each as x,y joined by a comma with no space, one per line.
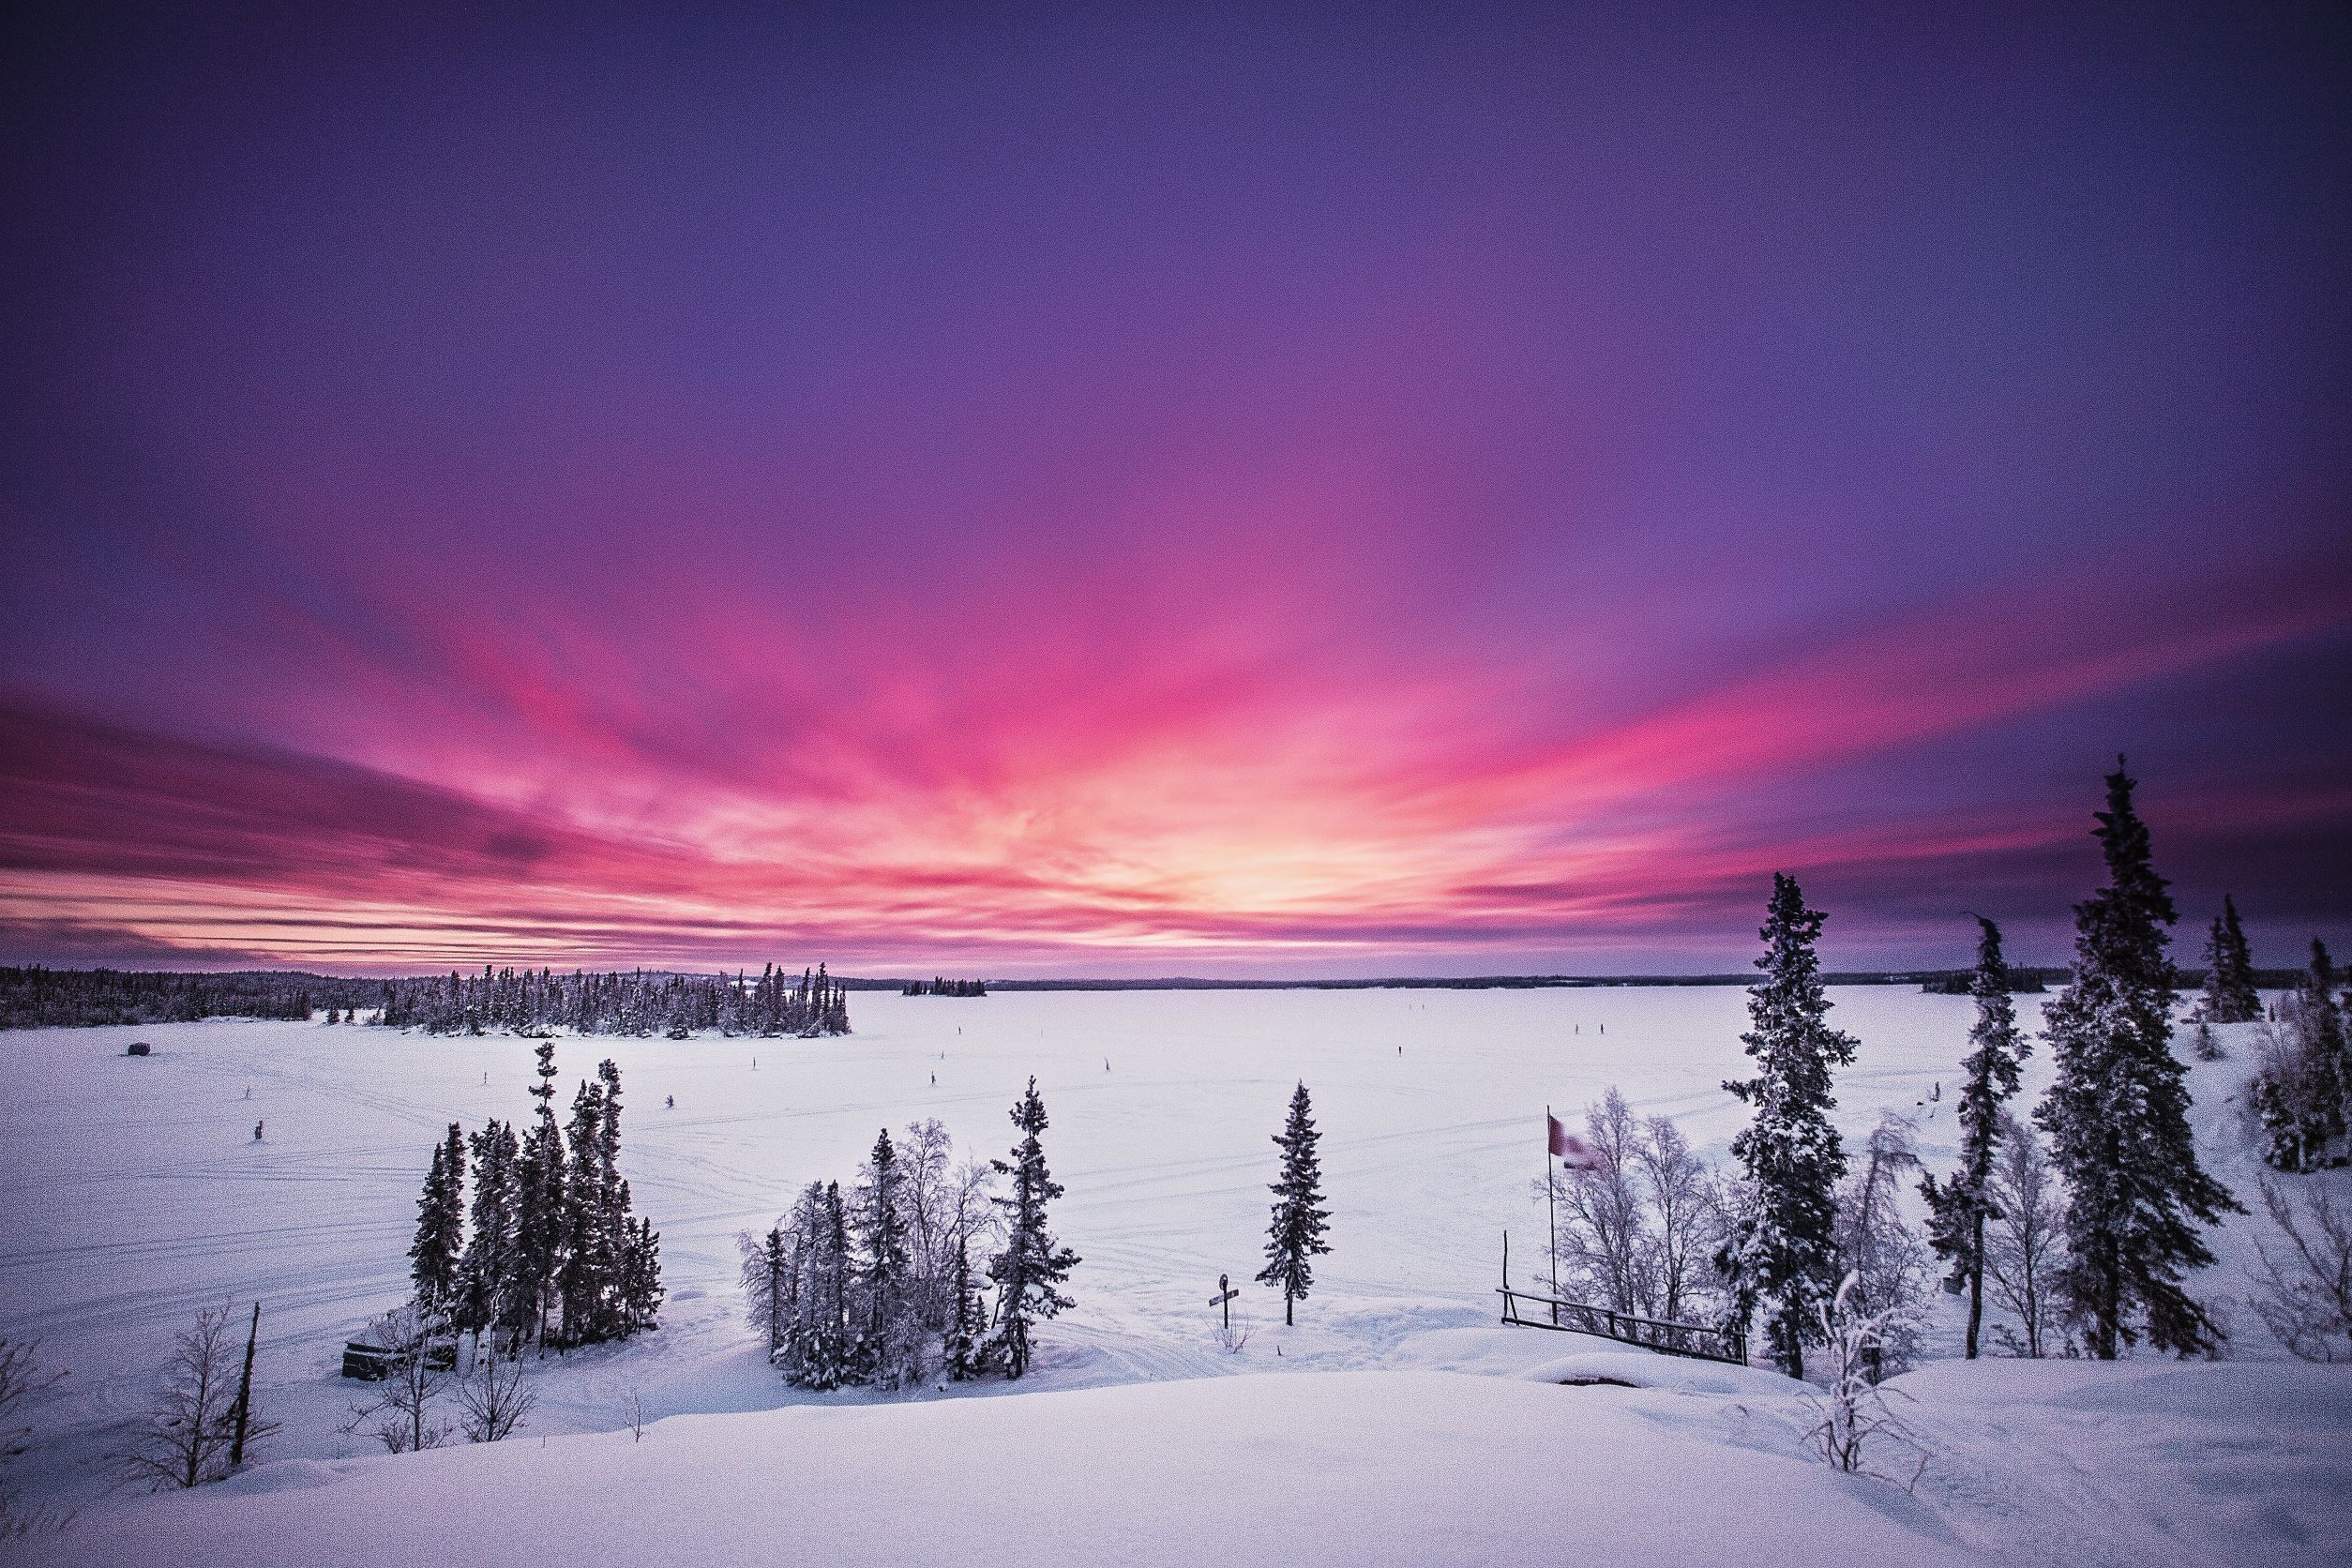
1351,494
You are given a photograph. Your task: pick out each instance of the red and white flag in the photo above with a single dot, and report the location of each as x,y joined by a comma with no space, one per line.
1571,1150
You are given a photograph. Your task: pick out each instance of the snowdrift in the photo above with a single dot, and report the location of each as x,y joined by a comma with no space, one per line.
2048,1462
1346,1466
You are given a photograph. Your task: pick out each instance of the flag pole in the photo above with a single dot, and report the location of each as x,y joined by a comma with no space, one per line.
1551,1217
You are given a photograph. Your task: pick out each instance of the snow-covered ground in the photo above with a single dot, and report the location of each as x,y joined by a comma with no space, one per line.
131,1193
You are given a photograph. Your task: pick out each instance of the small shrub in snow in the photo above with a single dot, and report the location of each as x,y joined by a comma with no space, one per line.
1853,1413
402,1416
21,1378
494,1397
184,1439
2303,1281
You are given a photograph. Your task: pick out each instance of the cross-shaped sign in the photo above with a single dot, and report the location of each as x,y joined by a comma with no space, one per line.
1224,1298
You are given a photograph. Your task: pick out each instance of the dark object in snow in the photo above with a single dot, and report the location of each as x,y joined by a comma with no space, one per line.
372,1364
257,1132
139,1047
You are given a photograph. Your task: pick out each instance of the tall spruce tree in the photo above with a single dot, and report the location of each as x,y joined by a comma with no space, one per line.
487,1297
1958,1209
812,1348
539,1190
969,1320
830,1347
882,1351
2322,1031
583,1278
641,1286
1032,1264
439,1230
2118,1114
1294,1237
1782,1252
615,1228
2230,996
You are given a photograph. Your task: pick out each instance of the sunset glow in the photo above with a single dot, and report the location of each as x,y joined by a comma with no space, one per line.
1371,504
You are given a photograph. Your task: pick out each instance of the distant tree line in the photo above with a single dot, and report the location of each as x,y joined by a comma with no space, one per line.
2019,981
36,997
940,986
639,1003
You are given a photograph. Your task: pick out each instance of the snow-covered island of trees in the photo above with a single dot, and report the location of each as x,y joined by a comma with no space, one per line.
2027,1277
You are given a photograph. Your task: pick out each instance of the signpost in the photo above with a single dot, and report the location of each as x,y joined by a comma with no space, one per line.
1224,1298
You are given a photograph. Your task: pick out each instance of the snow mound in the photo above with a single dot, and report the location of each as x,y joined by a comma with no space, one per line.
287,1475
1332,1467
1676,1374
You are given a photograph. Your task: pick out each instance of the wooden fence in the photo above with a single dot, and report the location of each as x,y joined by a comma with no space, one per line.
1526,1310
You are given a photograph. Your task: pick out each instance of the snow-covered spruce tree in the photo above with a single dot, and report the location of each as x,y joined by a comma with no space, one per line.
1958,1209
581,1277
540,1184
1782,1253
1032,1263
817,1350
961,1347
439,1230
616,1231
2118,1114
2230,996
641,1290
490,1299
885,1352
2303,1086
1294,1237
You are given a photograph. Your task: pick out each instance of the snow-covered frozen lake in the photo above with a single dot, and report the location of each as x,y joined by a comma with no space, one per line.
132,1192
